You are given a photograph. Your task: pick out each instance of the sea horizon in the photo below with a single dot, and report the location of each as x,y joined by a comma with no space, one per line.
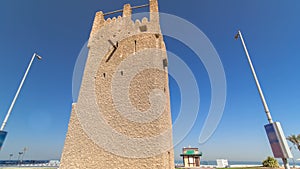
237,162
176,162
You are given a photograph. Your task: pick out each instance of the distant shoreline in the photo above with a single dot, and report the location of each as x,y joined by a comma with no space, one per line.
45,164
238,163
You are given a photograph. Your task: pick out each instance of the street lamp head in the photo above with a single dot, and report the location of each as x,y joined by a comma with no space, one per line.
237,35
38,56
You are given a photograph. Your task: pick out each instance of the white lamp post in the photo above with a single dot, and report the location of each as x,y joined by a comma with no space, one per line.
2,132
10,156
274,131
18,91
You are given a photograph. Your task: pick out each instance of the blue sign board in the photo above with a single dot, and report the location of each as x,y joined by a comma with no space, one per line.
274,141
278,141
2,138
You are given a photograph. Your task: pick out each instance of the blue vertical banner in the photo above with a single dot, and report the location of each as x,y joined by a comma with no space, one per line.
274,141
278,141
2,138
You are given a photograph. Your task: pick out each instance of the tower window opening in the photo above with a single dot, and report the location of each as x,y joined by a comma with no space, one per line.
143,28
165,63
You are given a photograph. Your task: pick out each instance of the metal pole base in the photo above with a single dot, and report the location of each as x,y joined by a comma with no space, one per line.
286,163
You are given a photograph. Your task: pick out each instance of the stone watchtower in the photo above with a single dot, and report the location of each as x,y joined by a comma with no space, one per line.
122,117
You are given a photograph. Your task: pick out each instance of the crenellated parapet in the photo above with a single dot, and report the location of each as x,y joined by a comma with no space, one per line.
153,23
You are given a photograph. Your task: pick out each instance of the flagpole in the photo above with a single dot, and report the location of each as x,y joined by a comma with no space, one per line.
18,91
239,35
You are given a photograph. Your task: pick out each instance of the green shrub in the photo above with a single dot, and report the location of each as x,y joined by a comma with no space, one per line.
270,162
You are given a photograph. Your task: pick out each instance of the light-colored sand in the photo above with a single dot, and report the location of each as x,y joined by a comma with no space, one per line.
28,168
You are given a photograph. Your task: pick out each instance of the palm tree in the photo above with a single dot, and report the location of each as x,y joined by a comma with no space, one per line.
295,139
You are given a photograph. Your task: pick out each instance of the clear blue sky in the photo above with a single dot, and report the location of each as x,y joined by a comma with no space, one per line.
58,29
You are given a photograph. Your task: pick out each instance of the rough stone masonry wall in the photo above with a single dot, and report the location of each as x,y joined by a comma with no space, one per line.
90,142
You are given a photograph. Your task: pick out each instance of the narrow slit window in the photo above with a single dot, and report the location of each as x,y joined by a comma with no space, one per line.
134,46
